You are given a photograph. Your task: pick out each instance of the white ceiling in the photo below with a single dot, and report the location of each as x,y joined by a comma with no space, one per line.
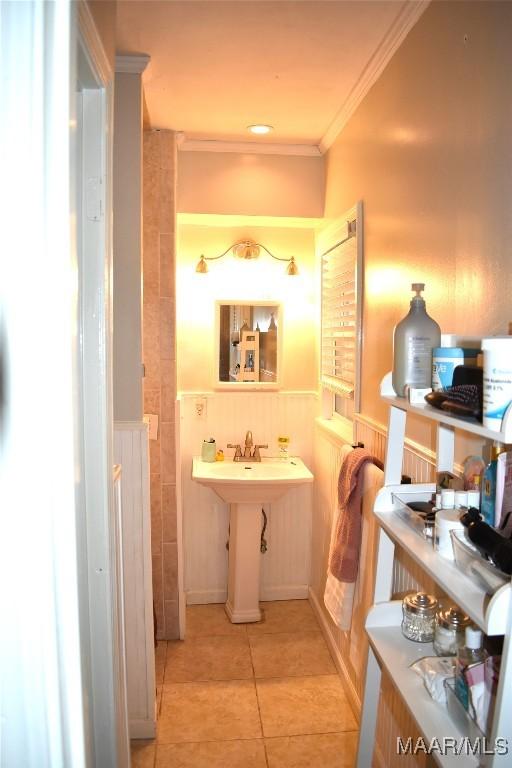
218,66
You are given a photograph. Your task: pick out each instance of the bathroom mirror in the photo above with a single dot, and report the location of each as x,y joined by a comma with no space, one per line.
248,342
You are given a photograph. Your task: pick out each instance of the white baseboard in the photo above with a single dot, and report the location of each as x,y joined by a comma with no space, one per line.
142,729
351,692
202,597
287,592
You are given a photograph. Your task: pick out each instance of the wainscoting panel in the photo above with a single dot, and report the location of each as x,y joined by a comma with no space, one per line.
286,564
131,452
350,648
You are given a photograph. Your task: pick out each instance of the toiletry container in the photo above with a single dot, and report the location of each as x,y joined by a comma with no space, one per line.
283,446
209,450
446,520
488,493
444,361
414,339
470,653
418,617
497,380
450,629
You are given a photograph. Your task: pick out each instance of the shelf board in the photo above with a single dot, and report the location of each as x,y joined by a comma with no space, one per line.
442,417
426,411
395,654
490,613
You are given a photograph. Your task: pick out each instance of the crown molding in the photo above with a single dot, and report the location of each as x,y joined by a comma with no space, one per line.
132,64
248,147
405,20
92,41
244,220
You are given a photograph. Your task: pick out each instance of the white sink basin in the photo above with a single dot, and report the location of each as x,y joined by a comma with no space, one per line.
239,482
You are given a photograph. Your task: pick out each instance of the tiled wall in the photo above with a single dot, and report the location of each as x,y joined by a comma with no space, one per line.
159,349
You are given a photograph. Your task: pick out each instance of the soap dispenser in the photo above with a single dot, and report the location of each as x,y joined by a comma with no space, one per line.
414,338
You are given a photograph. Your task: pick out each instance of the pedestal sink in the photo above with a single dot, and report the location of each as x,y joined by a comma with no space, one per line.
246,486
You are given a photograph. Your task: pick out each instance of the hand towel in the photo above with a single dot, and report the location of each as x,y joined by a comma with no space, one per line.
344,556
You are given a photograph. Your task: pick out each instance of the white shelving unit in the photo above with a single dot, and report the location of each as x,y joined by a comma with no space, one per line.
389,650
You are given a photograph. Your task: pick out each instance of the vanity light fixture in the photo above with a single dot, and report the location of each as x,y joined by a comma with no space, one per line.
247,249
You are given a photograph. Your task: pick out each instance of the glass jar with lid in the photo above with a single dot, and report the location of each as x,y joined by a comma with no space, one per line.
449,631
419,613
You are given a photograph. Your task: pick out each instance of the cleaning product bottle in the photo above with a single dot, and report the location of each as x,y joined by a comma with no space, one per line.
413,341
488,492
471,653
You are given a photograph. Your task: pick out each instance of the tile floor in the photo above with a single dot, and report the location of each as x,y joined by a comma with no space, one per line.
263,695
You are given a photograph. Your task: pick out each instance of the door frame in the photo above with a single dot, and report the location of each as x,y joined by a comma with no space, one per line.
101,589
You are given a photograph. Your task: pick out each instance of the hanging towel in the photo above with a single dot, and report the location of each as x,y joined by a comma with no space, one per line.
344,558
345,540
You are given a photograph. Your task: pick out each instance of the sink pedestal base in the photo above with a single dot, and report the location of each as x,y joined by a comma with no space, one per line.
243,604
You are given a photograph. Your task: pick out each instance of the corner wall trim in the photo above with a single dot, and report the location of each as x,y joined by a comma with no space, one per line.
132,64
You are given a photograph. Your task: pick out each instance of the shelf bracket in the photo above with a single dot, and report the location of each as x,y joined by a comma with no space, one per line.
445,448
395,447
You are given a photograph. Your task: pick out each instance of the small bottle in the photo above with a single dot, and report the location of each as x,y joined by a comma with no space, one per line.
472,471
283,444
470,653
413,341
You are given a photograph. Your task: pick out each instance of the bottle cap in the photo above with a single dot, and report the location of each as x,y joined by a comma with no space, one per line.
474,640
474,499
461,499
452,618
447,498
420,603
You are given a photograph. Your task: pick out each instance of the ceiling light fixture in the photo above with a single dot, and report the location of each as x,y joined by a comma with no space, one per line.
260,129
247,249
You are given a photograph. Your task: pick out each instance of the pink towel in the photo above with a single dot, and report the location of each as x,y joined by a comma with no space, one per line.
344,560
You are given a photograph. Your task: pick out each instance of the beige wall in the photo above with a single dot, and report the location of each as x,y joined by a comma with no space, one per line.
160,362
230,279
429,153
248,184
127,248
104,15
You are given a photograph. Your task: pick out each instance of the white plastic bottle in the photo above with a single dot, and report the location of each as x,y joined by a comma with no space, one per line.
413,341
471,653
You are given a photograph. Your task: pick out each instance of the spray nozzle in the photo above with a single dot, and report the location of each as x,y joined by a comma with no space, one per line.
418,287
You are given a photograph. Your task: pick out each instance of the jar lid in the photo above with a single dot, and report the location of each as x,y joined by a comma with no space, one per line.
420,603
453,618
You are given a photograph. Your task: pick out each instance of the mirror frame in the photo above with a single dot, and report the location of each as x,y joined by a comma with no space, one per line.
248,386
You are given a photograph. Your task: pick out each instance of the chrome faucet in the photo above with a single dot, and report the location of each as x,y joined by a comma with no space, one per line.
247,455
